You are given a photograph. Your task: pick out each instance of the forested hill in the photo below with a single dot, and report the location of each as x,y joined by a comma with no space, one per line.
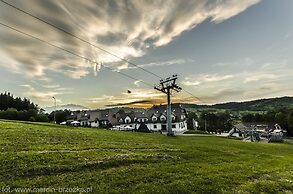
261,104
7,100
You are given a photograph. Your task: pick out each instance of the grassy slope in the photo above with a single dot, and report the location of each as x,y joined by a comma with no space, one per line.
44,155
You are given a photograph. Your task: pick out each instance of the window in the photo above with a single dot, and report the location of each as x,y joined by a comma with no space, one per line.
155,126
173,126
127,119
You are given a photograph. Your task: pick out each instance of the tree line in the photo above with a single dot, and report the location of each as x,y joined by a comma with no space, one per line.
215,122
20,109
281,116
8,101
211,122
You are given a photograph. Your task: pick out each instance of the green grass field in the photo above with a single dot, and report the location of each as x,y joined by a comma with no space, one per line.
44,155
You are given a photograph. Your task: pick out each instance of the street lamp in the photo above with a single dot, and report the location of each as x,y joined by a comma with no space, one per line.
55,109
205,121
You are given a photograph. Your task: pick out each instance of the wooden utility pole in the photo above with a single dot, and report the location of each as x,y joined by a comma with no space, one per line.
167,86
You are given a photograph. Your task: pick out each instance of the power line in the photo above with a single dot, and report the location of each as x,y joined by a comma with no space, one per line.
73,53
91,44
81,39
190,94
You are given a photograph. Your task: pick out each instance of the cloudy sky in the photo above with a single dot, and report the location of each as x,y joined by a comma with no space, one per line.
222,50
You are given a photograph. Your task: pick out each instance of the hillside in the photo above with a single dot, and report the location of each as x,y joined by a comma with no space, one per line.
72,107
254,105
35,155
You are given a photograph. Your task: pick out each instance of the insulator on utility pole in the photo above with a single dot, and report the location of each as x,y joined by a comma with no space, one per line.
167,86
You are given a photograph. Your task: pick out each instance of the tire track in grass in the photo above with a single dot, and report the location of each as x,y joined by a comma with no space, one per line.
89,150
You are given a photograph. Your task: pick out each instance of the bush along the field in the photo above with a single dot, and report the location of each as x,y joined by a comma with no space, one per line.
25,115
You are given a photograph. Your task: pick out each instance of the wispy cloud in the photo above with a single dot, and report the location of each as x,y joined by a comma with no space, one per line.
265,80
127,28
260,77
164,63
196,80
45,94
137,82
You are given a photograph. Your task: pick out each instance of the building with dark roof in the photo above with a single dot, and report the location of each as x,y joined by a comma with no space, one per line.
154,118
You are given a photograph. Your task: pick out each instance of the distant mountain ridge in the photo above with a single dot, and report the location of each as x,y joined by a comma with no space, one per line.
257,105
72,107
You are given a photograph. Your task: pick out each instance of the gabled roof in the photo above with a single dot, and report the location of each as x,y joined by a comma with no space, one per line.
177,110
142,114
155,114
114,117
93,116
103,115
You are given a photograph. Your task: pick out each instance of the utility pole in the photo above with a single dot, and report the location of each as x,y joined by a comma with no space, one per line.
55,109
167,86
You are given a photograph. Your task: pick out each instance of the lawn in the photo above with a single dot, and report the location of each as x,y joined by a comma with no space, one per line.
36,155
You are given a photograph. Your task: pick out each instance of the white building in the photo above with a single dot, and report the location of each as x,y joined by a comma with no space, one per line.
154,119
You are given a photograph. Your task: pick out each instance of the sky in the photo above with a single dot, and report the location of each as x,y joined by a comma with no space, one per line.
221,50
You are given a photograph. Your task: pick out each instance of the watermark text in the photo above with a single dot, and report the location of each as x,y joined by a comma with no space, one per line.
7,189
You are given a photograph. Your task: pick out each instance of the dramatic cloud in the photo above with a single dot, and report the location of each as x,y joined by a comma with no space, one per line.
126,28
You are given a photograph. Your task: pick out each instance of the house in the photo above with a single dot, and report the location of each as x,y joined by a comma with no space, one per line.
258,131
91,118
153,119
258,126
